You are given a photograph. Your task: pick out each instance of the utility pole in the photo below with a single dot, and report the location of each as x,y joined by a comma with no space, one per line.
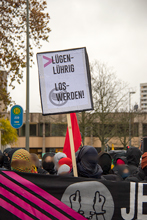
27,79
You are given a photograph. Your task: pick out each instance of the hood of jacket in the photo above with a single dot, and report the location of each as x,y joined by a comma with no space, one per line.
133,156
105,160
87,162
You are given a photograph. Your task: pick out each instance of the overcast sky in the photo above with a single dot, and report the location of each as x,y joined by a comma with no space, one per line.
113,31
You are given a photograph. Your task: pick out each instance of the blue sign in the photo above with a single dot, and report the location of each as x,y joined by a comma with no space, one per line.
16,116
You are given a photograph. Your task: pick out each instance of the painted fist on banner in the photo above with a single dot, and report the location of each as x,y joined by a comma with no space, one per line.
75,201
98,204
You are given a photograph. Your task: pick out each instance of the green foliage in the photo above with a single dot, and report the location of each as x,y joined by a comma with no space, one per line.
8,133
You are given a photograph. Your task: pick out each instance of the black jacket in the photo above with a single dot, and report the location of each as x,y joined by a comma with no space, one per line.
42,171
112,177
133,157
138,177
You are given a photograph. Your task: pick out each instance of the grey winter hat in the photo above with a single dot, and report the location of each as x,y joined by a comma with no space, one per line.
57,157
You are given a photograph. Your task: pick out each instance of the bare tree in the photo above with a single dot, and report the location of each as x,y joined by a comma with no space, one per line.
86,124
109,94
123,128
123,120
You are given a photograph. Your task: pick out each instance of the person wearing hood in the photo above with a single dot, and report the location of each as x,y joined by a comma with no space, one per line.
105,160
2,161
8,153
141,176
87,163
6,162
133,158
119,160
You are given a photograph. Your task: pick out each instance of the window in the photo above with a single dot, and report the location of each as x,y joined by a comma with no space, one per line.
86,129
37,151
17,131
50,150
123,129
95,129
88,132
58,129
107,129
32,130
47,130
135,130
40,130
144,129
22,131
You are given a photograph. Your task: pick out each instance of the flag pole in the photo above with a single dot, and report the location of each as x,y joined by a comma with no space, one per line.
72,146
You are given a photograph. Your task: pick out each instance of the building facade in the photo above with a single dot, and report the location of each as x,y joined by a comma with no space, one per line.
47,133
143,97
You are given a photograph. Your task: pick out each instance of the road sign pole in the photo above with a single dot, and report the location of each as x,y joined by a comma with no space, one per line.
16,116
27,81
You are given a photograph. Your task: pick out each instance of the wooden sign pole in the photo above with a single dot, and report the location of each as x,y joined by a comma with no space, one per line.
72,146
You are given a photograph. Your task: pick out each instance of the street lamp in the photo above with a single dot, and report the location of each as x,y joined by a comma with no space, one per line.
130,117
27,80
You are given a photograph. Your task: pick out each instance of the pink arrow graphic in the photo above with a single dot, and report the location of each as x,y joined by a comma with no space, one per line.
49,61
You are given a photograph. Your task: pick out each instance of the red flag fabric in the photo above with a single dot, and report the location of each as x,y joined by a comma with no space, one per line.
76,136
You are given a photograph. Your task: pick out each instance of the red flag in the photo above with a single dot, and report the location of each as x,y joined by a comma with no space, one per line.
76,136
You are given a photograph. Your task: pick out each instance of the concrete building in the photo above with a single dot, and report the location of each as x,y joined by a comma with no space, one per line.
143,97
47,133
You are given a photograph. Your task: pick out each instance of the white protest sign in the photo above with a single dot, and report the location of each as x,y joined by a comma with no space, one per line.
65,82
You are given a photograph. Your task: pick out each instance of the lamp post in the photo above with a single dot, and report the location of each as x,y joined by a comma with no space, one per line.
130,117
27,80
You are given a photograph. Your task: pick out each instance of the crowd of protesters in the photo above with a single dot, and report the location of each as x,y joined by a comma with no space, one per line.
131,166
